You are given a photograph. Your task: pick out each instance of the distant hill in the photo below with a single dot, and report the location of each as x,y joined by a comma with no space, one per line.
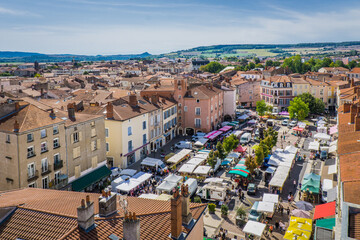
7,56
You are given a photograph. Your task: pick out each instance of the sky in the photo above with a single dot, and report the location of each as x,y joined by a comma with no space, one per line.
160,26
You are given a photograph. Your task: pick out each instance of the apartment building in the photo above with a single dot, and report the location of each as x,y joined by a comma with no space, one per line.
127,127
32,147
247,91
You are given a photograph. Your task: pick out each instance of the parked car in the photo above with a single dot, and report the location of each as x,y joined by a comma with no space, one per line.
245,138
254,215
293,123
197,136
183,144
252,189
285,122
323,155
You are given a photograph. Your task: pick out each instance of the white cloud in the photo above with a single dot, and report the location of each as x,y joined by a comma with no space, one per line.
7,11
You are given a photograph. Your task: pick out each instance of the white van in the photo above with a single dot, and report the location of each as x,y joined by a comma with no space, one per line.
183,144
327,184
192,185
245,138
153,163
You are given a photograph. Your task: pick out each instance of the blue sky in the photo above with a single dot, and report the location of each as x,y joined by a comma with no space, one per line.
133,26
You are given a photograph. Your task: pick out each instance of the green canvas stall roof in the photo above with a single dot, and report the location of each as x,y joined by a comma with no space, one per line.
311,185
235,122
312,176
327,223
231,124
238,172
242,168
90,178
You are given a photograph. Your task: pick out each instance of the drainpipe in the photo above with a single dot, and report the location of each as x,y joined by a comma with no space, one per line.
17,137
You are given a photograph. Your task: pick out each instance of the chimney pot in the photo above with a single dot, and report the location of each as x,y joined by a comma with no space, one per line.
131,227
87,199
82,203
85,215
109,111
107,203
133,100
52,114
71,111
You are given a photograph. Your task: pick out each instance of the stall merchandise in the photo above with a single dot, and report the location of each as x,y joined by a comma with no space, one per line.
300,213
306,206
322,136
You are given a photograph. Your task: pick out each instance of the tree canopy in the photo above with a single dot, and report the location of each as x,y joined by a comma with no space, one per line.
298,109
315,104
261,107
250,164
213,67
220,151
211,159
230,143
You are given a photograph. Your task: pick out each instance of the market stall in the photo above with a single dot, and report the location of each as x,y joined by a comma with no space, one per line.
240,149
225,129
325,210
201,142
254,228
180,156
272,198
279,178
333,130
322,136
239,172
166,187
187,168
202,170
128,172
314,146
195,161
173,178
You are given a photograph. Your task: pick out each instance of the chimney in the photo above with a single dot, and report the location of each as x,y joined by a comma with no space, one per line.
347,107
353,111
107,203
352,82
16,126
109,111
186,214
86,215
71,111
154,99
52,114
176,220
357,121
133,100
17,106
131,227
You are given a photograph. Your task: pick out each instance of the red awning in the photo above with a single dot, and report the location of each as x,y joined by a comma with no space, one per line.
240,149
325,210
298,129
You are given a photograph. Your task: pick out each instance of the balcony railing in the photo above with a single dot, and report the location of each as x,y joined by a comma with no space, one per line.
33,176
58,165
46,171
60,184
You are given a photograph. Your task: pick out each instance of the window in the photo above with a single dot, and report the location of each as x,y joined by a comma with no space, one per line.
31,170
56,158
93,145
321,91
57,177
76,137
55,130
197,111
45,182
197,100
197,122
130,147
185,108
106,132
144,125
179,96
76,152
56,143
7,138
129,131
43,133
30,152
44,147
32,185
250,92
44,165
250,97
107,147
329,100
93,132
30,137
144,139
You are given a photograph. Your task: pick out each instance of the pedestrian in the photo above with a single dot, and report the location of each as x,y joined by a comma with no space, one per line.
299,195
294,184
300,185
276,225
288,211
271,228
281,209
242,196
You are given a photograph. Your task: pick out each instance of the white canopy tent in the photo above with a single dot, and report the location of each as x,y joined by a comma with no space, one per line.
149,196
270,170
202,170
266,207
238,133
173,178
333,143
291,149
166,186
332,148
214,180
201,142
332,169
272,198
141,177
128,185
187,168
179,156
322,136
321,130
281,157
254,228
301,125
280,176
243,117
202,155
129,172
314,146
195,161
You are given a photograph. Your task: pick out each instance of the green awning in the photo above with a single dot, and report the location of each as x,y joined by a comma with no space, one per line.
238,172
87,180
328,223
231,124
311,186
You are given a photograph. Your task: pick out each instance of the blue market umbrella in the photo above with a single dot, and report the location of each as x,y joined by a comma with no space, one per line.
304,205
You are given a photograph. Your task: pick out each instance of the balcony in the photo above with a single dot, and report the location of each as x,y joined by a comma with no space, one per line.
47,171
58,165
62,182
33,176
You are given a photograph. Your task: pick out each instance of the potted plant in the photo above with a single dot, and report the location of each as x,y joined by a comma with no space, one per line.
240,216
224,210
197,199
212,207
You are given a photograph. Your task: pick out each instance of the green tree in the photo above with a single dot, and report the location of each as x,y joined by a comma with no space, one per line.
298,109
271,138
339,63
259,155
220,150
211,159
352,64
230,143
251,164
269,63
86,73
256,60
315,105
37,75
266,148
326,62
251,65
213,67
261,107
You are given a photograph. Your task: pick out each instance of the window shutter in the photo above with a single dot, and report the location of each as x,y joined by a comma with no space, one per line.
72,138
98,143
80,136
74,153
